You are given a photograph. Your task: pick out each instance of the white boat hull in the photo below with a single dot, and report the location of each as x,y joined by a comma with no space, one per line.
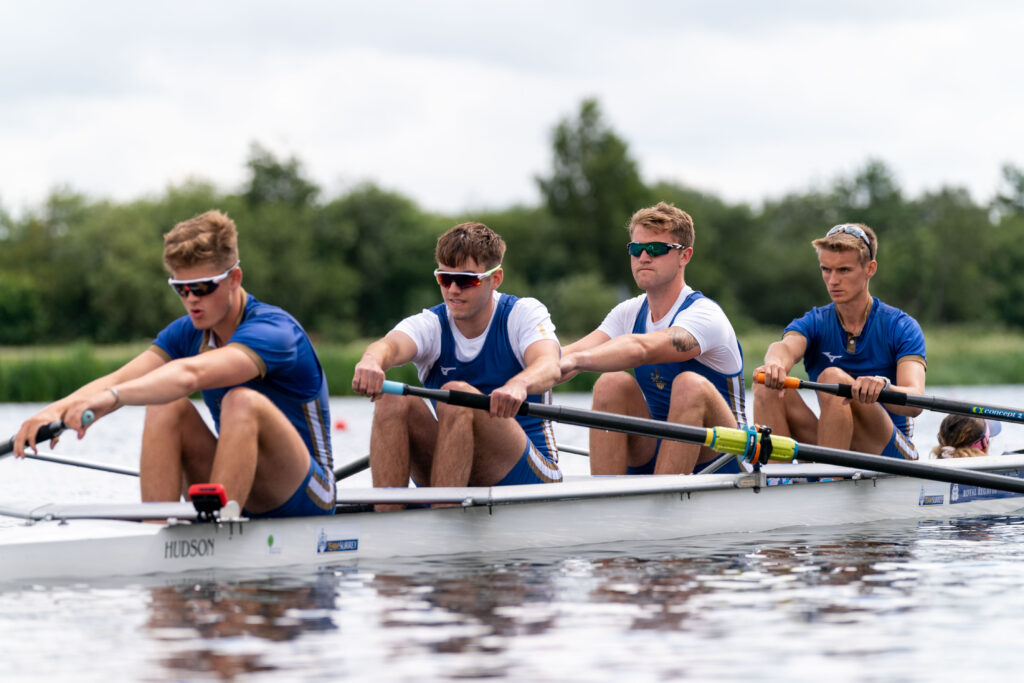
587,512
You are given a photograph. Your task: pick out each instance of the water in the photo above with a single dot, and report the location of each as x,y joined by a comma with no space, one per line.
893,601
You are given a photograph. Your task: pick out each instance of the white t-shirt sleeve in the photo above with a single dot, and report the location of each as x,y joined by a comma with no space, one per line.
710,327
425,331
529,322
620,320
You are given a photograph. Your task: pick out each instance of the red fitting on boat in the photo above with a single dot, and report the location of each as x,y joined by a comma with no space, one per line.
207,499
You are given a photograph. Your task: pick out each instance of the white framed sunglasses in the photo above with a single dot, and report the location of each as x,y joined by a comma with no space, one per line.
200,286
463,279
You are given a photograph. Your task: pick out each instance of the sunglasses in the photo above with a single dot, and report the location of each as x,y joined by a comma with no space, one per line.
200,286
856,231
464,280
652,248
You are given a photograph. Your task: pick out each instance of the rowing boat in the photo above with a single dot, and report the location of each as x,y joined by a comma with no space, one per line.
92,541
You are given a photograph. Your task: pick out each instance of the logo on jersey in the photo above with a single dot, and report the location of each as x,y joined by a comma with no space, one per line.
658,380
445,371
832,358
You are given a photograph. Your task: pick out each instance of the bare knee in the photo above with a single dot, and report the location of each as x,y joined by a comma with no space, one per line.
389,408
691,384
169,415
834,374
450,415
241,401
765,397
611,388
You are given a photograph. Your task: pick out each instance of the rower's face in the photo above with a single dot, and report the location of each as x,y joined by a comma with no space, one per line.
467,303
649,271
845,277
209,310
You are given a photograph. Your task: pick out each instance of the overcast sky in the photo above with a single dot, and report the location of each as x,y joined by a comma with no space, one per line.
452,103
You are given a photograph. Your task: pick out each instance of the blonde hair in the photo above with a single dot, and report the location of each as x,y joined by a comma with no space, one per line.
842,241
210,237
664,217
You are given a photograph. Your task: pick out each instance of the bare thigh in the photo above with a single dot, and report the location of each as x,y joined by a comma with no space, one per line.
619,393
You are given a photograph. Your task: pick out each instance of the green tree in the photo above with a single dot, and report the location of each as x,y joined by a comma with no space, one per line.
272,181
593,189
389,242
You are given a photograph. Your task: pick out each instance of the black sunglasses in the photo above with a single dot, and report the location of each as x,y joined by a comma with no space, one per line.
652,248
200,286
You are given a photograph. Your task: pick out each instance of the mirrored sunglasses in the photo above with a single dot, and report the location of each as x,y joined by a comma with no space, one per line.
856,231
463,279
200,286
652,248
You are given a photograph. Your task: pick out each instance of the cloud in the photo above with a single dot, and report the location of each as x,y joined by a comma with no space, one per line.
452,103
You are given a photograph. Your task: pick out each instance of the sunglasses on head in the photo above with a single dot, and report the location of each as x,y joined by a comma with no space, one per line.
200,286
652,248
462,279
856,231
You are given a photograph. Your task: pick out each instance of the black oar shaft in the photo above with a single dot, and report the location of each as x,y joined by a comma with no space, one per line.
909,468
350,468
678,432
935,403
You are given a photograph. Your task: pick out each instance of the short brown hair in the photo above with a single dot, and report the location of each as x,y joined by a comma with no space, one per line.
470,241
843,241
664,217
210,237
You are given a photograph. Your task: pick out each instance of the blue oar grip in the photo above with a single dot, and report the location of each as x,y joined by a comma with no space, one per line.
87,417
392,387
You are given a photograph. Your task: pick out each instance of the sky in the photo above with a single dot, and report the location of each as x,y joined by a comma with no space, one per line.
453,102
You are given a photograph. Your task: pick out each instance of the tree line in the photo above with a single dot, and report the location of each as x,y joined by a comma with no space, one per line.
350,266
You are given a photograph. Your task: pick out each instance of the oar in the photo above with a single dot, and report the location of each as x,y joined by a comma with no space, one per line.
942,405
87,464
350,468
743,442
46,432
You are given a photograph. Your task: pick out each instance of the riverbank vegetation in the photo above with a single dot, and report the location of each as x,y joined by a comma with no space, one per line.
956,356
81,277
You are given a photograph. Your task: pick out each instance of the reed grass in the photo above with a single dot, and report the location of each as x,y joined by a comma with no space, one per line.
956,356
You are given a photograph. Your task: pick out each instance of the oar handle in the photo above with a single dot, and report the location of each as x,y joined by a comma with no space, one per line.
844,390
891,397
464,399
47,432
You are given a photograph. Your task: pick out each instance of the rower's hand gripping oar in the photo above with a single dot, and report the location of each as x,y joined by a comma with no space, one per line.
46,432
745,443
898,398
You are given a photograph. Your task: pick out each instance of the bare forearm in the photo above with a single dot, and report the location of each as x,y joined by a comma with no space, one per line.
381,353
620,353
162,385
537,377
780,354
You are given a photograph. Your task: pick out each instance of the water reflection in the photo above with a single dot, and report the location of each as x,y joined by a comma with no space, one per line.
219,625
846,596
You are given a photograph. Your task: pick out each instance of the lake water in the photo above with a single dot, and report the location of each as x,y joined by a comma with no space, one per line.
883,602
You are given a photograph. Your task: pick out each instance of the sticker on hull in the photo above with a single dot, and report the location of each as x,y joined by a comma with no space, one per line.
965,493
338,538
932,493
